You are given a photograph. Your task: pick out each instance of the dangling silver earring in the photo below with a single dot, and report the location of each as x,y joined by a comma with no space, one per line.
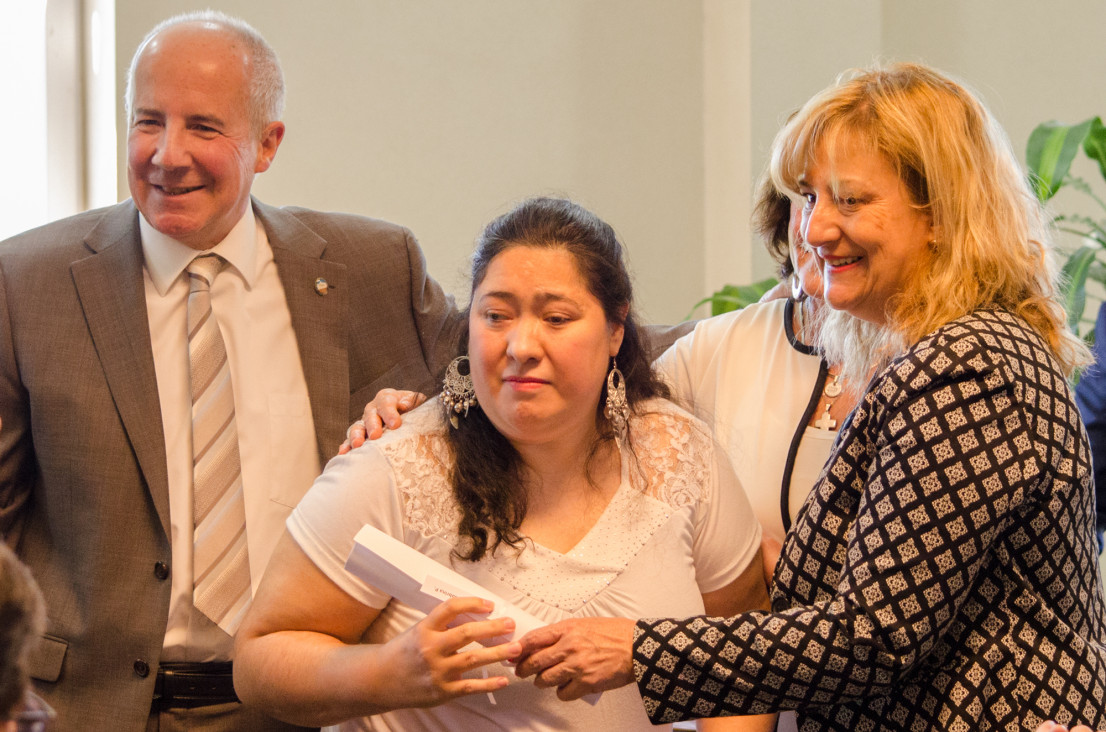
457,391
617,409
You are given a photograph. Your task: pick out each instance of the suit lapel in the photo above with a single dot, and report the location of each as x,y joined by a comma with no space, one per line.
319,320
110,288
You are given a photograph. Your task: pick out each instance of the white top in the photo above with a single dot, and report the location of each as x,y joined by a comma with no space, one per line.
678,526
746,376
276,435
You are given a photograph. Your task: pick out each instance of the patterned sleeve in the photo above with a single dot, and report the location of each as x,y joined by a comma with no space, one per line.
930,469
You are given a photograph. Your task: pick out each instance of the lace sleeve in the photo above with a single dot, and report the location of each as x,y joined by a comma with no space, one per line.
680,464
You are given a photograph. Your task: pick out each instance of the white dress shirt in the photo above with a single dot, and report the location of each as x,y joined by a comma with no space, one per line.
276,434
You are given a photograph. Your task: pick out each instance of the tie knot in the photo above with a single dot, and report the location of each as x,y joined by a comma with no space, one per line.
202,270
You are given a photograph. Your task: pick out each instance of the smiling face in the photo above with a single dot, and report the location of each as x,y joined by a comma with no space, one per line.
539,346
864,228
191,151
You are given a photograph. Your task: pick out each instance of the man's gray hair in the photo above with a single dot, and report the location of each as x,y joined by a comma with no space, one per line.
266,78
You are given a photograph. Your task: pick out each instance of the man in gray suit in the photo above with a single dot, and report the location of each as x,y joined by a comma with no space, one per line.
316,312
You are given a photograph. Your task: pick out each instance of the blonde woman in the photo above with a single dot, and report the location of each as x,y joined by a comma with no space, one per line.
942,575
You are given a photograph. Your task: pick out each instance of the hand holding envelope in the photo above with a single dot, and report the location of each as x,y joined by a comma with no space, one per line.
417,580
442,650
422,583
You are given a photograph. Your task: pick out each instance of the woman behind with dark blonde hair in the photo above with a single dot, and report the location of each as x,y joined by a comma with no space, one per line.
943,573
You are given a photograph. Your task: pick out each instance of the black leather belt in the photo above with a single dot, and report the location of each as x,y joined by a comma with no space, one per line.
194,685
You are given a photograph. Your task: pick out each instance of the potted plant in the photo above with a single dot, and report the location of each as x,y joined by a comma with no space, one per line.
734,297
1049,155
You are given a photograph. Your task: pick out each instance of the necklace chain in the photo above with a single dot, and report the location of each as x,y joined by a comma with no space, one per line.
832,388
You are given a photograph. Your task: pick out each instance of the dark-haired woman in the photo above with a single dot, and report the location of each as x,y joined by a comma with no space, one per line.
571,488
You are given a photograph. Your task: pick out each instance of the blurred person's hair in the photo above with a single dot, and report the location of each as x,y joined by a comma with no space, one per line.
22,619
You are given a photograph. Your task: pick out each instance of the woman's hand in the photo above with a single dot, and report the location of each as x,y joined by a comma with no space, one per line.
300,653
429,660
579,656
1051,726
380,414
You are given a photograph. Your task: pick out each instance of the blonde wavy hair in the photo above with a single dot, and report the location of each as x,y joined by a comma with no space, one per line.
992,247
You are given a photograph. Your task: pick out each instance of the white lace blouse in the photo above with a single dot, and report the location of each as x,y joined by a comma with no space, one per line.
677,527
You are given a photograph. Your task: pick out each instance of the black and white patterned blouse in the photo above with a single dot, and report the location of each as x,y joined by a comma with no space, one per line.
942,573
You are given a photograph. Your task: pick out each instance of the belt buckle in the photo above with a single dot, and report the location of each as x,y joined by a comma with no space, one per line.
187,685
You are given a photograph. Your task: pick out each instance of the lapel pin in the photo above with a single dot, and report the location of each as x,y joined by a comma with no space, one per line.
322,286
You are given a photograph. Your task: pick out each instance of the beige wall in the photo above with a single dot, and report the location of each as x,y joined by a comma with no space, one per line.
438,114
658,114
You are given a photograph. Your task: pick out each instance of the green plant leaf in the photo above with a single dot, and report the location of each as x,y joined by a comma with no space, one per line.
1075,272
734,297
1095,144
1049,152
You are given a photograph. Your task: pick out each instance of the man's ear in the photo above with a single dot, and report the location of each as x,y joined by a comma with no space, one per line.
271,138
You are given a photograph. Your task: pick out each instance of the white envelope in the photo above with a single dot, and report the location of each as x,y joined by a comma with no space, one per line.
417,580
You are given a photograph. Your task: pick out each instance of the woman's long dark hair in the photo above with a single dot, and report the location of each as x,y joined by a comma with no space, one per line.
487,470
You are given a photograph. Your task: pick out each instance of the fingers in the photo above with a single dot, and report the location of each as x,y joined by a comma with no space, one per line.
447,611
473,655
455,651
534,658
554,676
355,437
573,690
383,412
459,621
374,425
389,412
465,686
579,656
1051,726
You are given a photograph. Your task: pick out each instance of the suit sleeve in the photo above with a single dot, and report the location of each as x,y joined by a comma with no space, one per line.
659,338
17,463
437,319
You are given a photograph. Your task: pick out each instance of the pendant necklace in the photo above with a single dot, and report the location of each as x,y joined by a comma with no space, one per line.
831,391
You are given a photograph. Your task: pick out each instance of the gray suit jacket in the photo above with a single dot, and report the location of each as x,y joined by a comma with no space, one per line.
83,485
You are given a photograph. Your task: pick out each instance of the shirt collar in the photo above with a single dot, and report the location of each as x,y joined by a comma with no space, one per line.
166,258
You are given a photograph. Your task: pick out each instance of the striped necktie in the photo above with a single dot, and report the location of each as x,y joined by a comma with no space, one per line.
221,570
